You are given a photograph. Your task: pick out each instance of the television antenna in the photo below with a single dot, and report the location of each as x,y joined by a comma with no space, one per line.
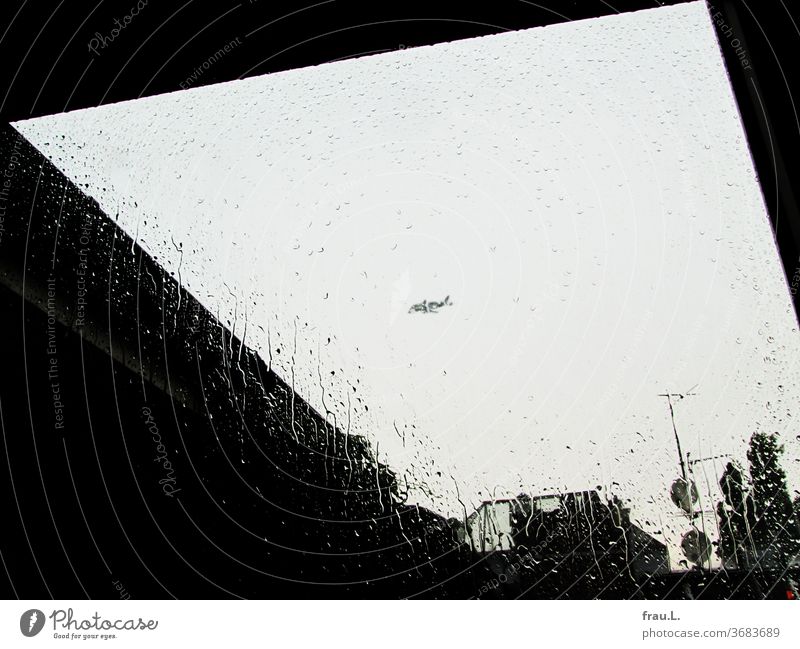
672,398
695,544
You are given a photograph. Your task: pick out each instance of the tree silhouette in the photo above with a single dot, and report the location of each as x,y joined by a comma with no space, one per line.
736,518
776,535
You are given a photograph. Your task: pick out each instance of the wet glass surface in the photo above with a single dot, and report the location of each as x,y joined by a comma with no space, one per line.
502,317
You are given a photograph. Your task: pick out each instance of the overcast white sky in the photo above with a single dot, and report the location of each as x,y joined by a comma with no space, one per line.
582,192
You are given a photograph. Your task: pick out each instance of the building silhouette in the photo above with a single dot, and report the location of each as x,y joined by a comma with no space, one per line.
564,541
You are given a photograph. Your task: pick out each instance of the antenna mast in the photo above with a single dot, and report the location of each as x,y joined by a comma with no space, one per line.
669,396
